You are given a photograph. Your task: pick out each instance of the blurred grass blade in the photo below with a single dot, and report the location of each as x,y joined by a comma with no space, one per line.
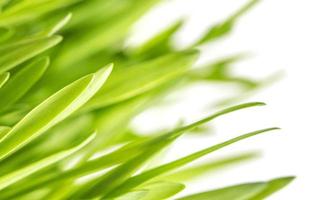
238,192
27,11
194,172
138,79
159,44
3,131
19,174
4,78
16,54
162,190
273,186
135,195
105,34
226,27
21,82
5,33
57,26
53,110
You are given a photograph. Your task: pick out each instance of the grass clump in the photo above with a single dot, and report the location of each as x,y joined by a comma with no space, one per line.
63,102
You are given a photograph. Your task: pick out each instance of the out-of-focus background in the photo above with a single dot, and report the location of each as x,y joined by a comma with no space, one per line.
296,38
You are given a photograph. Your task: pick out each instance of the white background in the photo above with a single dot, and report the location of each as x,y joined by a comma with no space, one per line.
296,36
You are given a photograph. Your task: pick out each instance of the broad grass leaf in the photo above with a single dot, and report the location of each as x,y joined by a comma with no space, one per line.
21,82
52,111
18,53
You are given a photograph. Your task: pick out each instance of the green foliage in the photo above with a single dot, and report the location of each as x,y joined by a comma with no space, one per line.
62,107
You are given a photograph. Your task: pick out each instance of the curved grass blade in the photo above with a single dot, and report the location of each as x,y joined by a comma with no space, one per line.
138,79
273,186
238,192
4,78
53,110
21,82
155,172
20,174
18,53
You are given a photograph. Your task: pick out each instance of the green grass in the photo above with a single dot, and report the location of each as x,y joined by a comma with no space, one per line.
69,90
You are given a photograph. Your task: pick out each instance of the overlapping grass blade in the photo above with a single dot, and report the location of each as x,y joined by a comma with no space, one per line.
17,53
249,191
194,172
162,190
273,186
19,174
52,111
130,151
28,11
105,34
21,82
56,26
138,79
135,195
155,172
